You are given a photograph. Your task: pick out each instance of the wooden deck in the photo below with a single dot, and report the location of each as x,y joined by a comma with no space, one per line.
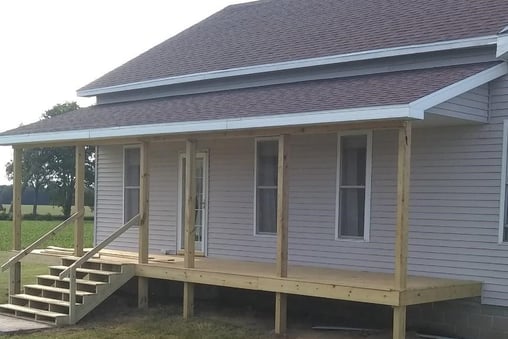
360,286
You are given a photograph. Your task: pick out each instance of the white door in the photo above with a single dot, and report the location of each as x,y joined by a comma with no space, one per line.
200,206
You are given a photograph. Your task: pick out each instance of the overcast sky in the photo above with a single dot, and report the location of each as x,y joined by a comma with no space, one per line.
50,48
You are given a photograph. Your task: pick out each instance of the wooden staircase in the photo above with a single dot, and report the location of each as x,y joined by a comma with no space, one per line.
48,300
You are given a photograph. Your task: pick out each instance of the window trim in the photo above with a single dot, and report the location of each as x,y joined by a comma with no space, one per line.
255,228
126,147
502,196
368,186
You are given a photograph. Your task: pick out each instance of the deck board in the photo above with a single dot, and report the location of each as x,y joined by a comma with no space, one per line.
362,286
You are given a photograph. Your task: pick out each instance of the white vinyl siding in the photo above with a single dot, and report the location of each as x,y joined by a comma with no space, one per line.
454,208
503,205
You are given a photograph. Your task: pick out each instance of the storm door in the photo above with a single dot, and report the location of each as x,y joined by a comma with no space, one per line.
200,204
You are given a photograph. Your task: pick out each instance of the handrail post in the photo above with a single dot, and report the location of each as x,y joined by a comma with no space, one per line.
15,270
72,296
79,200
143,247
190,199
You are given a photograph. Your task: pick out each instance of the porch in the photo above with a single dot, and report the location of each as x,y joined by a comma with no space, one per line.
332,283
393,289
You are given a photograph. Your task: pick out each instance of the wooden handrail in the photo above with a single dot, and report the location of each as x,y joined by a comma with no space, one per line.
99,247
37,242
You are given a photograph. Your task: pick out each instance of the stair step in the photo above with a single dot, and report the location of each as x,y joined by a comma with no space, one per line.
93,260
87,270
33,311
57,289
79,281
96,264
41,299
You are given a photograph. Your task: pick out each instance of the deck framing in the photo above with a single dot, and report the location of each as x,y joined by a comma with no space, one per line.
376,291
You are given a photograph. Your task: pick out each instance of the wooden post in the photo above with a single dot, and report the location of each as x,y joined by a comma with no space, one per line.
401,238
144,209
190,200
399,322
79,201
15,271
282,232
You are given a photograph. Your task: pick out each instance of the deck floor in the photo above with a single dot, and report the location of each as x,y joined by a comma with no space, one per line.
332,283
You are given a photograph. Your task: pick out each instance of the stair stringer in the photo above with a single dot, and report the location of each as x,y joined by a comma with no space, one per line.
90,302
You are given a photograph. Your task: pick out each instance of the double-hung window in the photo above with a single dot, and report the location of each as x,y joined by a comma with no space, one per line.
131,182
353,185
266,186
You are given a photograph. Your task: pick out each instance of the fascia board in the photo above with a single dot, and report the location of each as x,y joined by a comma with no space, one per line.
281,120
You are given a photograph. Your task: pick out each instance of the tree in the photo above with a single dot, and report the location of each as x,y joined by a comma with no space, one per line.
62,165
54,168
36,173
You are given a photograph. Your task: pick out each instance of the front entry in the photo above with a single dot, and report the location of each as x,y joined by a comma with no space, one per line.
201,203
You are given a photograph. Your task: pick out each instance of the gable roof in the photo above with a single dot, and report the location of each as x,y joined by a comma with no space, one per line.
374,96
273,31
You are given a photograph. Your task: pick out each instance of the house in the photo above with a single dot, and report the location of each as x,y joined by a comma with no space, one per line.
352,150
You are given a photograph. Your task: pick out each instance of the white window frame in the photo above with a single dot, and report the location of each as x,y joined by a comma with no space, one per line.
368,185
123,177
502,196
256,140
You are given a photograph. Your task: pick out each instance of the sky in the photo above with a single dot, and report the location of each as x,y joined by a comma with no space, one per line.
50,48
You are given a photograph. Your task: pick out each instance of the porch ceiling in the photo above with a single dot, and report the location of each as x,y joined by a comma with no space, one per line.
395,95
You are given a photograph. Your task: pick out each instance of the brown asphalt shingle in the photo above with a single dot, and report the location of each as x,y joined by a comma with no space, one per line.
310,96
282,30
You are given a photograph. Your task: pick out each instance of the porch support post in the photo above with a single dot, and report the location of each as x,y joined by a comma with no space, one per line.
144,208
190,199
15,271
282,232
401,238
79,201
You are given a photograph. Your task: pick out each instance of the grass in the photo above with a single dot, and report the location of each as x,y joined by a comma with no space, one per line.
31,267
116,319
158,322
48,209
32,230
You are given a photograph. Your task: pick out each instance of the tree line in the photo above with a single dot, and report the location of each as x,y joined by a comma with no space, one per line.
49,173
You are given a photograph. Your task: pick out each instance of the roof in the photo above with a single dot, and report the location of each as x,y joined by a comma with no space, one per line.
273,31
270,102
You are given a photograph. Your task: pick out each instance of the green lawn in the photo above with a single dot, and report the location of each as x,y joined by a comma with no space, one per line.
116,319
31,230
48,209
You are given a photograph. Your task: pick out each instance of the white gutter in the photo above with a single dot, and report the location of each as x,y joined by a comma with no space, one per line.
419,106
281,120
295,64
502,44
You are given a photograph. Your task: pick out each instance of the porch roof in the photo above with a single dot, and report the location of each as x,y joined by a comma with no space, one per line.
369,97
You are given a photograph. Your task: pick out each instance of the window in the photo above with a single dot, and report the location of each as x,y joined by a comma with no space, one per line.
266,186
353,186
131,183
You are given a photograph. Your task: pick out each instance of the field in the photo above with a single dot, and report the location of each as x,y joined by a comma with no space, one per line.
48,209
32,230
